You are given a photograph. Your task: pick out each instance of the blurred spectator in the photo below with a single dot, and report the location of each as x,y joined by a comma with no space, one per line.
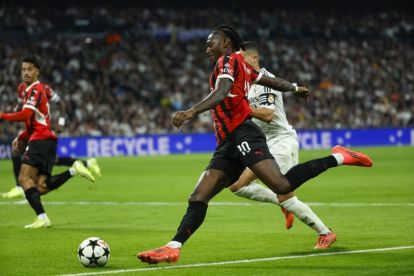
125,71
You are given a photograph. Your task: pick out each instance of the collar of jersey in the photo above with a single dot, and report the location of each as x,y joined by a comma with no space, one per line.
30,86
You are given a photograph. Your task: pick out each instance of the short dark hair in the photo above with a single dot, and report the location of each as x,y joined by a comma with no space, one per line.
232,34
250,45
33,60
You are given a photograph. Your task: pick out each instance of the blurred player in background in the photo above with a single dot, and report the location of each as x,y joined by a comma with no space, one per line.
39,157
241,143
269,115
19,146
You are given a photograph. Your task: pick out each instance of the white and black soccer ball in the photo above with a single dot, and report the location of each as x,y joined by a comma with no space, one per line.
93,252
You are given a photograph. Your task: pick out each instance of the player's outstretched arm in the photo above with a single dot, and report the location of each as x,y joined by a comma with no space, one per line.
283,85
17,116
223,87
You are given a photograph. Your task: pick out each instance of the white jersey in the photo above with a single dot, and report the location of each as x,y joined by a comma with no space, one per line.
261,96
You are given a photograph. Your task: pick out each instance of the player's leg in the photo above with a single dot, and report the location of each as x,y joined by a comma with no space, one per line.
246,187
221,171
16,156
66,161
37,161
286,154
91,164
285,151
45,184
28,178
210,183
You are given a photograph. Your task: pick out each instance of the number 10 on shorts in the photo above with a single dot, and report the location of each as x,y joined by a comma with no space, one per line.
244,148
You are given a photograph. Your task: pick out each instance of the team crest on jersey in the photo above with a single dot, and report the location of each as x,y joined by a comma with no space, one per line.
271,99
31,101
227,69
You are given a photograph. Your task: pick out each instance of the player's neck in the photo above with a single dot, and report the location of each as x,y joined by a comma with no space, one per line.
256,67
28,83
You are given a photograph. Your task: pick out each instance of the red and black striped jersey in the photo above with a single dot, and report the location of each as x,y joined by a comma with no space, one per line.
38,125
50,93
235,108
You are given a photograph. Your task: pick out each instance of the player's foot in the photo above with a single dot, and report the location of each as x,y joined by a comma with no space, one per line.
353,158
39,223
92,165
325,241
159,255
288,218
81,170
15,192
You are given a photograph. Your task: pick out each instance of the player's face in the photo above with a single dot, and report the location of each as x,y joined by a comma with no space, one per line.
214,47
29,72
251,58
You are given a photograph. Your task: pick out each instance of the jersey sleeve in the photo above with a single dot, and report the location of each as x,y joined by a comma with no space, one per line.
267,96
20,91
51,94
255,75
227,67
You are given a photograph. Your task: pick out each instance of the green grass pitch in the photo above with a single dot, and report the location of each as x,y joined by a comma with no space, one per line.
139,202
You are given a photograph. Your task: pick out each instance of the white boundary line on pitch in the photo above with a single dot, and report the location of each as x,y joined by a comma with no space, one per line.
241,261
218,203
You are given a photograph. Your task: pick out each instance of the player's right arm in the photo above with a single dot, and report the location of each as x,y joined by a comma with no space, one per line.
263,114
17,116
222,89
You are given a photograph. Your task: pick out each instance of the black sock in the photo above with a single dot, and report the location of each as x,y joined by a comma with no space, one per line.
58,180
17,164
301,173
193,218
66,161
33,196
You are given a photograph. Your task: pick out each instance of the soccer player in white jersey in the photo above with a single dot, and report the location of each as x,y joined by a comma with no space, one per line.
269,115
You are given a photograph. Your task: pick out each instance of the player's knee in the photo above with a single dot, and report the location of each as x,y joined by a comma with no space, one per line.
42,187
281,187
198,197
23,180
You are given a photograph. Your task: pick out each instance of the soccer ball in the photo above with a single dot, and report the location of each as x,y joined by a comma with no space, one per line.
93,252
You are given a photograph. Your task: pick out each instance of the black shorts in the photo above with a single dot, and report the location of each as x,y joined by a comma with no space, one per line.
41,154
244,147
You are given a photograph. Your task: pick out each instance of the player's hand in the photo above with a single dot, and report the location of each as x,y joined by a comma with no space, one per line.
15,144
181,116
303,92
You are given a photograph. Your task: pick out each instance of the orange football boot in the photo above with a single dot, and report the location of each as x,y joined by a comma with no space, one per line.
159,255
353,158
325,241
288,218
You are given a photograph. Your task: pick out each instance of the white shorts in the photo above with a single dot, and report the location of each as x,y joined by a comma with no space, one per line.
286,152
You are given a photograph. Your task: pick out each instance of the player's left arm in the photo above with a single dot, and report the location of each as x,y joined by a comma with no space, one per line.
222,89
62,108
283,85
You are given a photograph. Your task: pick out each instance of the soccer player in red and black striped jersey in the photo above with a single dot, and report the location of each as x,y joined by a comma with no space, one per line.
35,172
241,143
18,145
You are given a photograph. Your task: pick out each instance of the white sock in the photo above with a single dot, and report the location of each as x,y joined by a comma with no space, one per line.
42,216
255,191
303,212
72,171
339,158
175,244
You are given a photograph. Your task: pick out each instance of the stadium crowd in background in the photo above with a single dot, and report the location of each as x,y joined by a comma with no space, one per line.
125,71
